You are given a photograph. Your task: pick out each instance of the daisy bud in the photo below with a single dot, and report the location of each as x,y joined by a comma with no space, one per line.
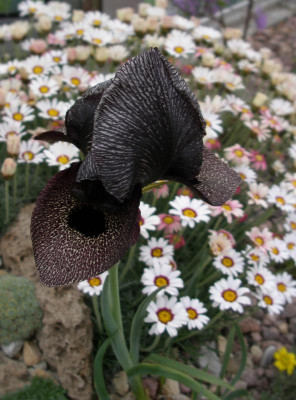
78,15
118,53
43,24
232,33
8,168
152,24
83,53
19,30
71,54
101,54
161,3
139,25
208,59
143,8
277,78
13,145
271,66
38,46
219,48
265,52
125,14
167,22
259,99
3,94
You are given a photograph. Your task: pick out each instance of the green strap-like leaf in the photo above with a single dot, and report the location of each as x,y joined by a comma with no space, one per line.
237,395
228,351
99,381
244,355
187,370
171,373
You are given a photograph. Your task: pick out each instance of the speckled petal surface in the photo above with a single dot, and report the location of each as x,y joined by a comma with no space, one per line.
147,125
216,182
69,249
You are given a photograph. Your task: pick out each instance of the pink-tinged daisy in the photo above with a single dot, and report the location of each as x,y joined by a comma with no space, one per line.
255,256
157,252
286,286
161,192
162,276
237,154
230,263
280,197
235,104
260,277
227,234
166,315
260,237
232,208
261,132
21,113
228,295
61,154
185,191
169,223
179,44
30,152
246,114
246,173
176,240
52,109
219,243
196,318
274,122
191,211
212,143
257,194
258,160
94,285
290,240
272,300
290,223
148,221
11,128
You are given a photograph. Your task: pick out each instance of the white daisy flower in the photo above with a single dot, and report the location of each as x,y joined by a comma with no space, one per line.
255,256
157,252
278,251
281,198
37,65
153,40
79,29
58,57
19,113
290,240
215,105
203,75
207,34
195,313
11,128
98,37
120,30
290,181
191,211
230,263
219,243
148,221
30,7
52,109
161,275
76,77
99,78
94,285
11,67
281,107
61,154
166,315
235,104
12,100
238,47
182,23
260,277
286,286
246,173
260,237
96,19
257,194
44,86
179,44
272,300
292,151
233,82
59,11
247,67
213,123
31,152
228,295
290,222
261,131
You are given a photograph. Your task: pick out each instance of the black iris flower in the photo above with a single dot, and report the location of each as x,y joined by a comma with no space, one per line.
141,126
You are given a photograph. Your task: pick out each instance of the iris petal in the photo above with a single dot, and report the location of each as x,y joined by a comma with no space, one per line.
148,124
72,240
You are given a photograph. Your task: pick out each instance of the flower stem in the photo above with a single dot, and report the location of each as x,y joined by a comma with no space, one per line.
15,179
97,314
153,344
6,202
128,263
27,172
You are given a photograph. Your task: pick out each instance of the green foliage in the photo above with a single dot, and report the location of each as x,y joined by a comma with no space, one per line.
282,388
20,312
39,389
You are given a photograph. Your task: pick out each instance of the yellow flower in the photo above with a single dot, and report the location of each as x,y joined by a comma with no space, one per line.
285,361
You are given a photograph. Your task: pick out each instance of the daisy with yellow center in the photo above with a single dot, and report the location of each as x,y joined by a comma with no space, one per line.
31,152
260,277
196,318
98,37
61,154
179,44
237,154
230,263
290,243
75,77
162,276
94,285
281,198
191,211
278,251
290,224
44,87
19,113
286,286
148,220
230,209
271,300
169,223
52,109
228,295
157,252
166,315
260,237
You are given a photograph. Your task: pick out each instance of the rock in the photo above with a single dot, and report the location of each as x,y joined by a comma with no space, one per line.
151,385
250,324
65,339
289,311
184,389
129,396
270,333
292,324
270,320
257,353
13,375
170,388
120,383
43,374
283,327
180,397
11,349
250,377
41,365
233,366
290,337
241,385
268,343
31,354
260,372
270,373
208,359
256,337
267,357
222,343
249,362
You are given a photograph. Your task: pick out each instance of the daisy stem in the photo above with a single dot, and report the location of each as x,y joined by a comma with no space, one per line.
6,202
210,278
198,272
97,314
15,188
153,344
27,172
128,263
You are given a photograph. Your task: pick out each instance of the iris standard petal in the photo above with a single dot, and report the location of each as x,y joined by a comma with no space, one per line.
73,241
147,125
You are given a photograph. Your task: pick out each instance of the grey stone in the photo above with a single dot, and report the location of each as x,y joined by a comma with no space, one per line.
289,311
11,349
120,383
171,388
257,353
250,324
256,337
209,359
267,357
271,333
250,377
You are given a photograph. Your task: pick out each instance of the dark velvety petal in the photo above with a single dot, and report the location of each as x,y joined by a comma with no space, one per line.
216,182
73,241
148,123
53,137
